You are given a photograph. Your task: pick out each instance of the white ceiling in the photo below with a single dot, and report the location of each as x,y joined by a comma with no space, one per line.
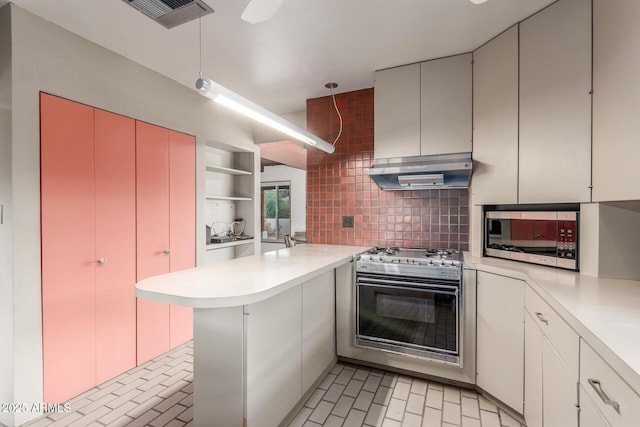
280,63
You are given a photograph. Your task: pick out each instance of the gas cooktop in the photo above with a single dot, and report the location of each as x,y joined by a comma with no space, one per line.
414,256
436,263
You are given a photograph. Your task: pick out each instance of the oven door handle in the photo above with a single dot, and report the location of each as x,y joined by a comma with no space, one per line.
393,283
452,291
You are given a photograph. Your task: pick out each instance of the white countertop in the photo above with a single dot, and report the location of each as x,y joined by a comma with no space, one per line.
605,312
245,280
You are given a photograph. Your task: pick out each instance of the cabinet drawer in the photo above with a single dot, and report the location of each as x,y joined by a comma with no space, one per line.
590,416
564,339
594,368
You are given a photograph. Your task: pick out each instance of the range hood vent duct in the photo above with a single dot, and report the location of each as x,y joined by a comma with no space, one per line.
171,13
423,172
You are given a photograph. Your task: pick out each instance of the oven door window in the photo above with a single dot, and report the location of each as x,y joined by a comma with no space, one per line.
417,317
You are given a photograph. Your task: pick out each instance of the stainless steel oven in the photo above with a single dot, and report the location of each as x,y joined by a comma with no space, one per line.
410,304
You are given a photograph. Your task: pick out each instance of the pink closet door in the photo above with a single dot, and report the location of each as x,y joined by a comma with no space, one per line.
182,196
153,253
68,247
115,201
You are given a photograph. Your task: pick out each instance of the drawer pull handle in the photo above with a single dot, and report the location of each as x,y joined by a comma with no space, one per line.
598,388
541,318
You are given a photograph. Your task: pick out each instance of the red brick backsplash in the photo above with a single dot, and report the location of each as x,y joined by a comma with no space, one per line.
338,185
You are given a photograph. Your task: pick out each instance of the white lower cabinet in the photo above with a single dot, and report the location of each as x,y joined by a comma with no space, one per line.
612,396
566,382
559,390
533,341
551,382
345,322
290,342
500,329
318,328
589,414
274,357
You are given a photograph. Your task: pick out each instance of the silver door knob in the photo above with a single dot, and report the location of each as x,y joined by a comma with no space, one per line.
102,260
167,251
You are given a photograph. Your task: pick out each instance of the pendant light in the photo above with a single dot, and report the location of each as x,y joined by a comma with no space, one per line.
239,104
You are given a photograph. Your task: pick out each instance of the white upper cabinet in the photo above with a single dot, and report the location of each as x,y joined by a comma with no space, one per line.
423,109
555,104
616,100
397,112
495,120
445,105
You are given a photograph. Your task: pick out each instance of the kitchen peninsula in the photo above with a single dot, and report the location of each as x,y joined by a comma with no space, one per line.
263,327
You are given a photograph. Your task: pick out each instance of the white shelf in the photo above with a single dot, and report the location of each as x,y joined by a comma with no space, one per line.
232,198
213,246
231,190
230,171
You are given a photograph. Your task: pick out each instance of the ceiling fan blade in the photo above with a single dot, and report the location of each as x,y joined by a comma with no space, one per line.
260,10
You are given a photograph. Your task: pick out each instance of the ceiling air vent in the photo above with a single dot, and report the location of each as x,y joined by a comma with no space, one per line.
171,13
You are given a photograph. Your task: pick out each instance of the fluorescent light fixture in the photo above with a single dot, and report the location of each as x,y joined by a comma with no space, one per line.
477,1
232,100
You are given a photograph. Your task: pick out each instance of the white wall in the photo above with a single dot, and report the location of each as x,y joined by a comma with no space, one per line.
619,234
51,59
298,178
6,269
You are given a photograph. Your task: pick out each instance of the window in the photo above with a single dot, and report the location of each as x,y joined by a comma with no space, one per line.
276,210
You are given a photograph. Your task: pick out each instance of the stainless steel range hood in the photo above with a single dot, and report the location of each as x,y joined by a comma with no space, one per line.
423,172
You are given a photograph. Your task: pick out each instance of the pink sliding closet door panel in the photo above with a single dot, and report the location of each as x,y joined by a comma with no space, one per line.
115,201
68,247
182,200
152,194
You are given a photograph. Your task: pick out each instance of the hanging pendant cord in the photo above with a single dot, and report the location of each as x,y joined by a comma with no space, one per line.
200,40
339,116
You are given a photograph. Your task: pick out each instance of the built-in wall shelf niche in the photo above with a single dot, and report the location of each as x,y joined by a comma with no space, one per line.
235,198
215,246
231,187
230,171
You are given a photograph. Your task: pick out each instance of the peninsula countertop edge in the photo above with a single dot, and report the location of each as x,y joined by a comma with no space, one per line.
245,280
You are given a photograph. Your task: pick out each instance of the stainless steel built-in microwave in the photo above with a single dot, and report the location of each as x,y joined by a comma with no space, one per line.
547,238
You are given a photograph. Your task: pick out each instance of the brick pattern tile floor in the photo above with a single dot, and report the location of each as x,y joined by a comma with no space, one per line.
160,393
358,396
157,393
